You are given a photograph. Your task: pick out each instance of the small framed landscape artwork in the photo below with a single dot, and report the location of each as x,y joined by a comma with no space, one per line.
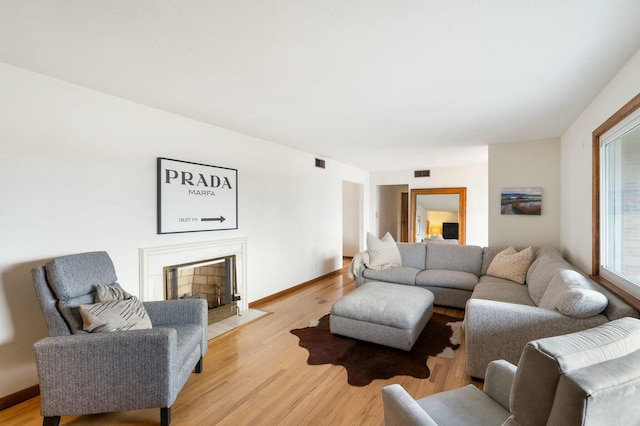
521,201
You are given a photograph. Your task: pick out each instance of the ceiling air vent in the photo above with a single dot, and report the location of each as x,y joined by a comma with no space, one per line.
422,173
320,163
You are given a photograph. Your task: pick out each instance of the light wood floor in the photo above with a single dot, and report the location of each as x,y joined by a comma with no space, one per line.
258,375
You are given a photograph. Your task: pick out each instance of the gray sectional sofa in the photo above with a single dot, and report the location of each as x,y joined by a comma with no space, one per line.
449,271
501,315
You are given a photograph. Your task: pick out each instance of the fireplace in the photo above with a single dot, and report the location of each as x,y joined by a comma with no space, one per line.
153,260
211,279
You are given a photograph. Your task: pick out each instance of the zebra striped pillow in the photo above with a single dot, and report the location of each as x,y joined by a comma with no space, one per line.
115,315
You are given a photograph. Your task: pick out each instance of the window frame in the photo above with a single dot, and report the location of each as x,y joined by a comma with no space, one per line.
618,117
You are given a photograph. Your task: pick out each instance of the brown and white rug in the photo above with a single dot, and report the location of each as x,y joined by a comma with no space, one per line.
366,361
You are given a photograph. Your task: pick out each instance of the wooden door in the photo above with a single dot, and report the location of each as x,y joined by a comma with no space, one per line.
404,217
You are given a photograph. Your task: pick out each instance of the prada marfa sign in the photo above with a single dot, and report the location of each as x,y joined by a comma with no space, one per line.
196,197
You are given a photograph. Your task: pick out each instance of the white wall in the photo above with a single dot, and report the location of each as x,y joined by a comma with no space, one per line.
525,164
576,162
473,177
78,173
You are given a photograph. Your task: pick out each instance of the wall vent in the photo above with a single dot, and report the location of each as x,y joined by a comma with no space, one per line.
422,173
319,163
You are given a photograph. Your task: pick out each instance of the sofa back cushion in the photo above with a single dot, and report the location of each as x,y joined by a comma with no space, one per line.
454,257
547,263
413,255
572,294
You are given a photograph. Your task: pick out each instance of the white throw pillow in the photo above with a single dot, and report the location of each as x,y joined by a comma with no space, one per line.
511,264
383,253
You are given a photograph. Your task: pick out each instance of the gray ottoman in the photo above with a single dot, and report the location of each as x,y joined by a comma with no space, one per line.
388,314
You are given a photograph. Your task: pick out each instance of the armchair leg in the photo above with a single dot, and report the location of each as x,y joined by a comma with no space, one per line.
198,368
51,421
165,416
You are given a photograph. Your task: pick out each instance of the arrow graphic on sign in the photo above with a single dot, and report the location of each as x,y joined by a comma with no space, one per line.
213,219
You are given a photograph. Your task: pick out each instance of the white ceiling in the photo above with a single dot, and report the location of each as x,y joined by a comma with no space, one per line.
378,84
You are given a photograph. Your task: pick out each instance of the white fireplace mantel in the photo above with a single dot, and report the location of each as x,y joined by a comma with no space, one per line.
154,259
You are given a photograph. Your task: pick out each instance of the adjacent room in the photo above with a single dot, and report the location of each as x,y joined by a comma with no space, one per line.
325,213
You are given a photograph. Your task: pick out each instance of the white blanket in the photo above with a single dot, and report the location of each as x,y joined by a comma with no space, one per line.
361,258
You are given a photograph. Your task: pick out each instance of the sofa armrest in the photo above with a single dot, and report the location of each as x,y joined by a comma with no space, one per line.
102,372
498,330
360,277
400,409
498,380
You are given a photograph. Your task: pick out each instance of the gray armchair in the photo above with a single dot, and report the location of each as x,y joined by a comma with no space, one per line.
591,377
86,373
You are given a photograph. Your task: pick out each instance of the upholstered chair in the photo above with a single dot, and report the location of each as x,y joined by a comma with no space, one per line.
143,364
591,377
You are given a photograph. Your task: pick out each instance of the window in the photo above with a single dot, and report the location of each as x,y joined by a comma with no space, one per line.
617,199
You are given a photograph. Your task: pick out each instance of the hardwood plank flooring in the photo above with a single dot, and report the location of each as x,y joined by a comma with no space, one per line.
258,375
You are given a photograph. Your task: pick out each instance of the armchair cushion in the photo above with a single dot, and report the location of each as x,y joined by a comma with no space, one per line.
464,406
73,276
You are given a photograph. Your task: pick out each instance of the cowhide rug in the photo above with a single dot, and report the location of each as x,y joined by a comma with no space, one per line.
366,361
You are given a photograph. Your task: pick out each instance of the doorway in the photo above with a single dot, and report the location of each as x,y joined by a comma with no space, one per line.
352,218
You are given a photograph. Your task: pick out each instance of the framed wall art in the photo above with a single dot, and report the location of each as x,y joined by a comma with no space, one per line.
527,201
196,197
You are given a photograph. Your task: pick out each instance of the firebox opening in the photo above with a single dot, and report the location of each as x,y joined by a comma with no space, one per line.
211,279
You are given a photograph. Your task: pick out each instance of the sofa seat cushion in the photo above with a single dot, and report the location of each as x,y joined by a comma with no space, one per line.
464,406
393,274
446,278
501,290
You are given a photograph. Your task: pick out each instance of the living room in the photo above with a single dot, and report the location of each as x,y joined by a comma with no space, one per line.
79,174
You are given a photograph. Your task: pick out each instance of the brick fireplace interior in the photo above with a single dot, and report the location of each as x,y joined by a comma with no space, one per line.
212,279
